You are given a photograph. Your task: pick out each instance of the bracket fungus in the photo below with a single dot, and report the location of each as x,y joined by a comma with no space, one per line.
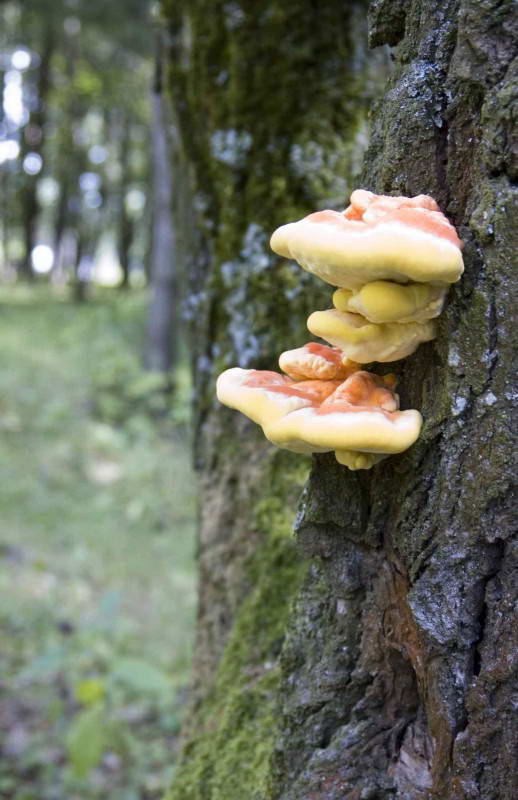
376,238
266,396
384,301
393,259
366,341
316,361
358,418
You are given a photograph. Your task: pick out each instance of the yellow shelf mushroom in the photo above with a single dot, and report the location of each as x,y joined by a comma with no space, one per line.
364,341
358,418
376,238
384,301
393,259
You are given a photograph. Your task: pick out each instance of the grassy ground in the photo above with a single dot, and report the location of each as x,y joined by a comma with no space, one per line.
96,553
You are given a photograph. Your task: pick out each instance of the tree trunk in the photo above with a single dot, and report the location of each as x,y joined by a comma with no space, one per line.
384,669
81,278
125,228
33,141
409,676
161,348
271,103
67,171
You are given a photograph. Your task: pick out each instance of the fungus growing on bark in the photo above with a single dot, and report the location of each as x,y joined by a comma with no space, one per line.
377,238
357,418
316,361
365,341
385,301
266,396
393,258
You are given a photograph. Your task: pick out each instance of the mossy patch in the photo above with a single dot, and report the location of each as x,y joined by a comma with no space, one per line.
232,761
228,756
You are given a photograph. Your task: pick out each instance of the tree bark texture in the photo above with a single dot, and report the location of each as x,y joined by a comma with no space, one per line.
385,665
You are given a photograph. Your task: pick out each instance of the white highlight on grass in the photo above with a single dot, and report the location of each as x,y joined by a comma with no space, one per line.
9,149
89,181
21,59
32,163
107,270
97,154
13,98
135,200
48,190
42,258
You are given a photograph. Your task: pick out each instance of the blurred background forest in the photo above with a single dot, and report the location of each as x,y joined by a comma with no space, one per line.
98,502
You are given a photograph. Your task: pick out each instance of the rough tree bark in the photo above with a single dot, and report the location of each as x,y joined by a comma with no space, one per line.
387,668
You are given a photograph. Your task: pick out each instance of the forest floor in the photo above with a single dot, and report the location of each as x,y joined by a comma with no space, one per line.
97,580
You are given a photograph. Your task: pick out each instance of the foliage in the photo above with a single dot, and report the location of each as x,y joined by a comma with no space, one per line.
96,547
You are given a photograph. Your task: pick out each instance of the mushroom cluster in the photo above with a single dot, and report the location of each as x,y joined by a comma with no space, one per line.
392,259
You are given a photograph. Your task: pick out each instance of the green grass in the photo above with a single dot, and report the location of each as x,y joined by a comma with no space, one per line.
97,517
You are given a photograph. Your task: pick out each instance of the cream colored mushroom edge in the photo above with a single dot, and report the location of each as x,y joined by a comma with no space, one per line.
392,259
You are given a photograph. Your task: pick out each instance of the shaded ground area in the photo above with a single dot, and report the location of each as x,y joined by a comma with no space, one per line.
96,553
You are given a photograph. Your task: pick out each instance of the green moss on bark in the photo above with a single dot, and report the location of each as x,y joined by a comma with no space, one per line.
228,754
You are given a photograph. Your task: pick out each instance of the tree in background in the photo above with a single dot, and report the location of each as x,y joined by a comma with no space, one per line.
74,114
161,342
386,666
86,190
89,695
33,131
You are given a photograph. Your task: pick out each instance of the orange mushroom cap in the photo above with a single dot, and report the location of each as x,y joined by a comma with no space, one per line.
264,396
316,361
376,238
357,418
